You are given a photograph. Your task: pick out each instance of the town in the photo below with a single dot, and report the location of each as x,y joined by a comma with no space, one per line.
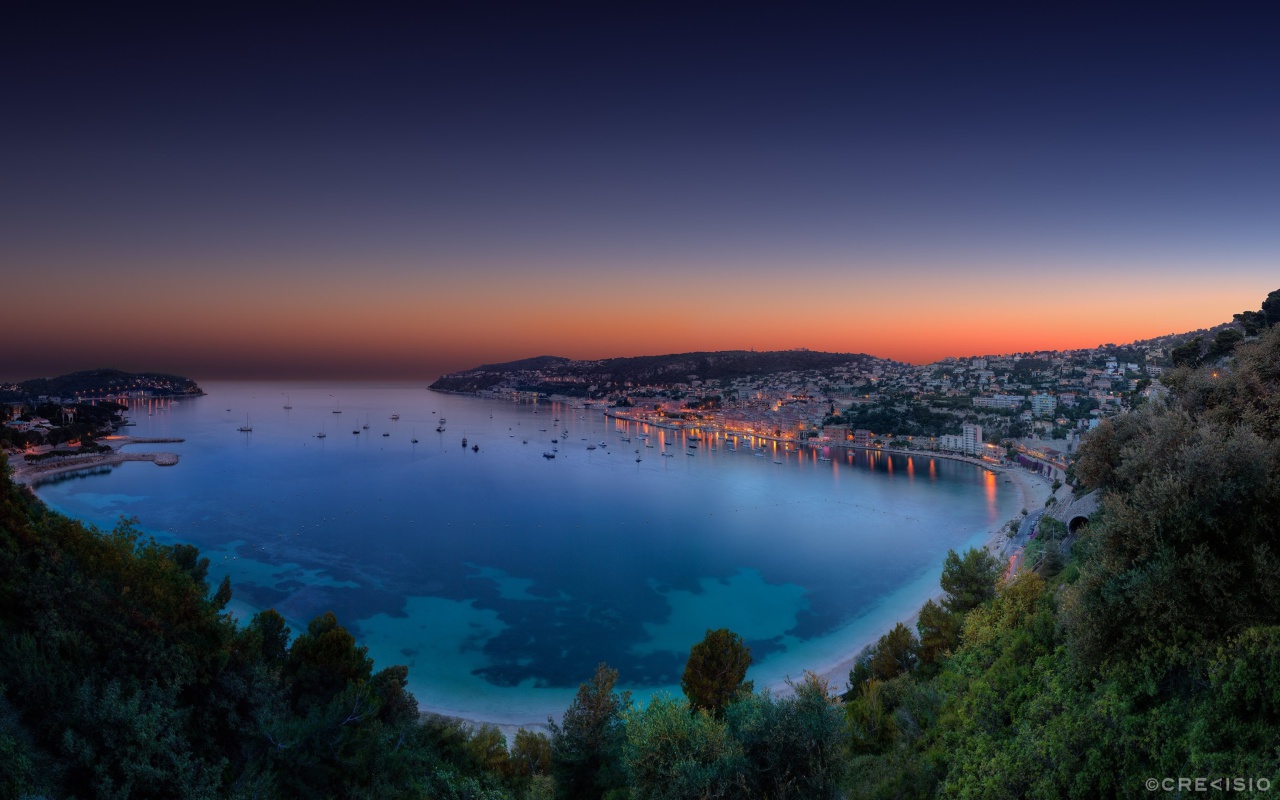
1031,408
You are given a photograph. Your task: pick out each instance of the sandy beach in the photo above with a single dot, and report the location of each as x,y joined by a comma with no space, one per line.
1035,491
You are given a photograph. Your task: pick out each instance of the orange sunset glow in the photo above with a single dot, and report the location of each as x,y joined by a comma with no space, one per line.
409,222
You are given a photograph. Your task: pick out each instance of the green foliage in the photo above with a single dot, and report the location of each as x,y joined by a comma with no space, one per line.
785,748
586,747
792,747
939,631
895,653
969,580
1223,344
1188,354
324,661
676,751
1157,652
716,671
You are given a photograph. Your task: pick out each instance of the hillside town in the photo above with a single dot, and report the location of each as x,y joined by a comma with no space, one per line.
1028,407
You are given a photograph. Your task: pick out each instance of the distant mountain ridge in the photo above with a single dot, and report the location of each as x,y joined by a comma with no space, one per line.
101,382
669,368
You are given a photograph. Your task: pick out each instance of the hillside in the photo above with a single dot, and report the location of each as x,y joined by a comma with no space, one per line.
100,383
568,376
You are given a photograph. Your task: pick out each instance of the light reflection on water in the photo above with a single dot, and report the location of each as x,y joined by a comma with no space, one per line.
501,577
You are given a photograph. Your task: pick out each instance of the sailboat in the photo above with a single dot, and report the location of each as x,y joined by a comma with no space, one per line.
246,427
414,440
287,404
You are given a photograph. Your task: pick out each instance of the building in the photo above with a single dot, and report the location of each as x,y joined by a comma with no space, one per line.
1009,401
1043,405
972,438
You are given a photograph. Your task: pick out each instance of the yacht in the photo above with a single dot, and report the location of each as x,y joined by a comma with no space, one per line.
246,427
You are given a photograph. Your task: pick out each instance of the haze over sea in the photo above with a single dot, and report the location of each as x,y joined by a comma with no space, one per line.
500,577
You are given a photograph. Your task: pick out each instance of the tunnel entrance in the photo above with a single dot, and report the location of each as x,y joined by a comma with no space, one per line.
1076,523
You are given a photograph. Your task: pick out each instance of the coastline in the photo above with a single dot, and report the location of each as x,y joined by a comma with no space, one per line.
31,474
835,661
1035,491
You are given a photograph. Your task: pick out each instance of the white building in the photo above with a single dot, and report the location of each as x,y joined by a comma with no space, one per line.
1010,401
1043,405
972,438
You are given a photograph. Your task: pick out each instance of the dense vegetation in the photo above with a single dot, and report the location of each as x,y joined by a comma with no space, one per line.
1146,646
1155,652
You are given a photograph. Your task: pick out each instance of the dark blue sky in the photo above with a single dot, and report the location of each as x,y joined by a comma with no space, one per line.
1073,158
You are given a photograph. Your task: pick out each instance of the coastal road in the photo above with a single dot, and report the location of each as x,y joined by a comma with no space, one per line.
1019,542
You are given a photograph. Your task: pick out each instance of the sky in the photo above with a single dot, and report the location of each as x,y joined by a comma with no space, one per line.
322,191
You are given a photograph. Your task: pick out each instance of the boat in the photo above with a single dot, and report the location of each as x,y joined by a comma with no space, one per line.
464,441
246,427
693,445
356,431
414,440
386,434
637,459
602,444
776,461
667,455
555,441
548,455
439,429
442,420
591,447
287,404
475,448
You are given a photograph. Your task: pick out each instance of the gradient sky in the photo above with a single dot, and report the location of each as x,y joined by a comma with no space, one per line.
383,194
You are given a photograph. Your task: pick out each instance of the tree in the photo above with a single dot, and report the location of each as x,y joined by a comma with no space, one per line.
324,661
939,633
896,653
1187,354
969,580
1223,344
1252,321
1271,309
715,673
586,745
677,752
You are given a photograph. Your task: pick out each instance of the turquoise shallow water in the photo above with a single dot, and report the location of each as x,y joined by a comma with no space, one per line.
502,577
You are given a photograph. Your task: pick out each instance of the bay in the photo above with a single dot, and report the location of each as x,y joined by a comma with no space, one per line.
501,577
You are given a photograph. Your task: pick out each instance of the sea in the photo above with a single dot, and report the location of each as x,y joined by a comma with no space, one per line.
502,577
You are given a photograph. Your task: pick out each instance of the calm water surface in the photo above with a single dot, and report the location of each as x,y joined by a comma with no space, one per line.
500,577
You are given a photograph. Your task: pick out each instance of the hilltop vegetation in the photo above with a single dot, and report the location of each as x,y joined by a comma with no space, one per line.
99,383
567,376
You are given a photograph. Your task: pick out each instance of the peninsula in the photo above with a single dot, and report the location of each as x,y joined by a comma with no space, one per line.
56,425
